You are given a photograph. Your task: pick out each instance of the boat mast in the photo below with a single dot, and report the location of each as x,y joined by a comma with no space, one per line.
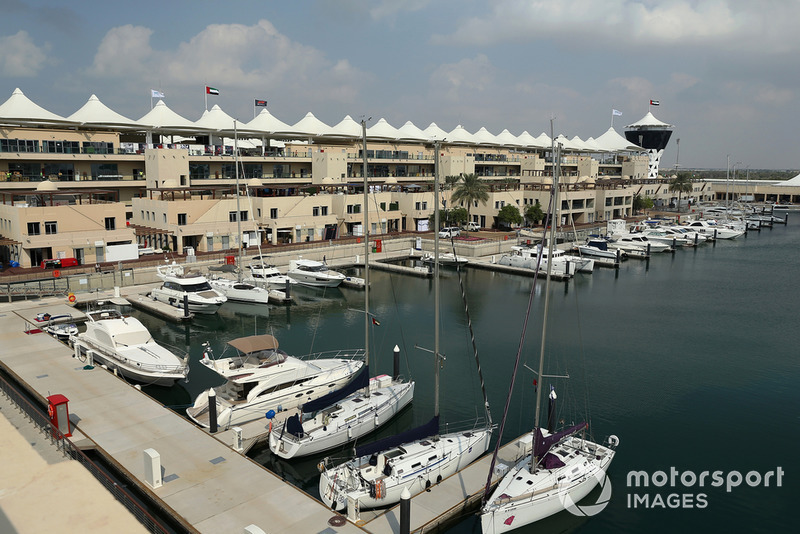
556,154
238,209
367,317
437,146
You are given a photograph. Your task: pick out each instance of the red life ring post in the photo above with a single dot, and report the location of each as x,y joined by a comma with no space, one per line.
56,273
71,297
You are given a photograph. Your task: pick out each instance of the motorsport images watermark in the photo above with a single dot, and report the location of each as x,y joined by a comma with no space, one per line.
694,496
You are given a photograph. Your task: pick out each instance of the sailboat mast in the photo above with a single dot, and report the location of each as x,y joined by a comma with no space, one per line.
437,147
238,209
556,153
367,317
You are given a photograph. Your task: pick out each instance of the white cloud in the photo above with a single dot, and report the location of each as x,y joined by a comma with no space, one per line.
621,24
21,57
230,57
124,52
456,80
391,8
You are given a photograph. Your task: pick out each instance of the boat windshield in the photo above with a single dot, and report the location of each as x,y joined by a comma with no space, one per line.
269,357
196,288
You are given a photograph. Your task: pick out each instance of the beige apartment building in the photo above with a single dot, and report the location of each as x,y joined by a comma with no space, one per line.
173,185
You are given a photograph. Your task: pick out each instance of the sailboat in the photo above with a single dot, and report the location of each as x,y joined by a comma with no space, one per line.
239,290
411,461
354,411
562,467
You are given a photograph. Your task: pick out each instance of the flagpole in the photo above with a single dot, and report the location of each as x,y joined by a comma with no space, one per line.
612,118
205,95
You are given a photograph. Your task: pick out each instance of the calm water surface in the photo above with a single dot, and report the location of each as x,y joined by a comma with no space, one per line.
690,358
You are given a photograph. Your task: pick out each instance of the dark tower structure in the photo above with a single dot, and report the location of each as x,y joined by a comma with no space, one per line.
652,135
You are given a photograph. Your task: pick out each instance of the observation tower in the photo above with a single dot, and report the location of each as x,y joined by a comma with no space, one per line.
652,135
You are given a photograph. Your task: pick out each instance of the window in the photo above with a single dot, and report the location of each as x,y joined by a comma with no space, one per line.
243,216
273,213
18,145
50,227
315,211
90,147
199,171
111,223
181,219
33,228
231,216
324,210
105,171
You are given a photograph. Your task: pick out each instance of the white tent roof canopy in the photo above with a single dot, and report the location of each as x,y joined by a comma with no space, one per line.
19,109
96,113
649,120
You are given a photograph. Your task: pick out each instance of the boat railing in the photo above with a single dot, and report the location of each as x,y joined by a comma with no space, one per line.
340,354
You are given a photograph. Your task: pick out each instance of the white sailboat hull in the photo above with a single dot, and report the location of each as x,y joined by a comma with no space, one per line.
422,464
356,417
522,498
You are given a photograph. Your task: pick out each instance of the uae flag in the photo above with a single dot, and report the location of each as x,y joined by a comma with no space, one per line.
211,91
375,322
262,103
654,102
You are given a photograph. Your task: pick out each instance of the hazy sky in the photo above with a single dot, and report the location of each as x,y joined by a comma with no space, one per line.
725,71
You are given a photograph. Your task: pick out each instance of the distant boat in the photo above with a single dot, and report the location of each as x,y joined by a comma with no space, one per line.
239,291
445,258
61,326
178,283
314,273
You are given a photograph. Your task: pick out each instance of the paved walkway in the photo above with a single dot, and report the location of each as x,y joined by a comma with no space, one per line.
43,491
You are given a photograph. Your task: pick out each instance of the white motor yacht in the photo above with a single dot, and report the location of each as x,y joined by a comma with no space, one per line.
262,272
526,257
711,228
260,377
637,243
445,258
124,344
177,284
314,274
598,248
239,291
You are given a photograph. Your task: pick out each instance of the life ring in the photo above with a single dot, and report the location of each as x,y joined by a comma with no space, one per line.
56,273
71,297
50,411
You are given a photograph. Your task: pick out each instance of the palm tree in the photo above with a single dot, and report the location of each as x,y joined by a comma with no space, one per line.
682,183
471,189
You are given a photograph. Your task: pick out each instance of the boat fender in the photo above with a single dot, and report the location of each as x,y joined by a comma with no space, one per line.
613,440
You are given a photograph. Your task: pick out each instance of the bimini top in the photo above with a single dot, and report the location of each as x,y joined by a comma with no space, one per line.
255,343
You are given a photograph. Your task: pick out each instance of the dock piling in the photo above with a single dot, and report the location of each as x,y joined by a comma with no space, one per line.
212,411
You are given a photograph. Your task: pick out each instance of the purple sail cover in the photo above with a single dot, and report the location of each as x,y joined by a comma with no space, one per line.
542,444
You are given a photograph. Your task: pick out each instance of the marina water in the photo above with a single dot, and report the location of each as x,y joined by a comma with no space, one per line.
690,358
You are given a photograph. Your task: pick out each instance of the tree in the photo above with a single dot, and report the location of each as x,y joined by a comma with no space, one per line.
534,213
451,217
470,189
682,183
450,181
641,203
508,215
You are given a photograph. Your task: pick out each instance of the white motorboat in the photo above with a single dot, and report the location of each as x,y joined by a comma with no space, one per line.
239,291
355,411
262,272
261,377
559,467
61,327
411,461
124,344
598,248
525,257
637,243
314,273
661,235
711,228
445,258
177,284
